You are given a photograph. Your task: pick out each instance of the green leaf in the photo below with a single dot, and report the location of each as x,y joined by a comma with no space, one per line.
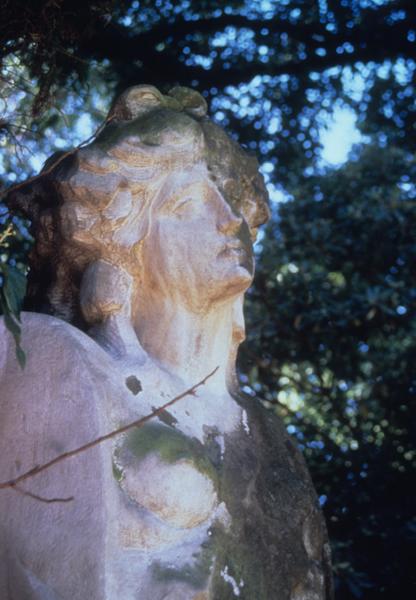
11,324
20,355
14,327
14,290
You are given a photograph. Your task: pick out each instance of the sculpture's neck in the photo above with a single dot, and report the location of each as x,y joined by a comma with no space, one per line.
189,344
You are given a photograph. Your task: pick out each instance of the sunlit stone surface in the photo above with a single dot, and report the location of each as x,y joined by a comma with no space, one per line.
143,253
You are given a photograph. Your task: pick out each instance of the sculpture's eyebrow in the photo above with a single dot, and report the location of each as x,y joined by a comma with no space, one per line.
182,193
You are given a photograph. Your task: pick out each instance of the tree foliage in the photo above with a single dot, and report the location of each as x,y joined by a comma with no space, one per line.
334,355
331,314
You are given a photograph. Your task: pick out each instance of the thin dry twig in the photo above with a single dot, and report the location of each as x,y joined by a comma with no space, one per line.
51,167
73,56
42,498
14,483
13,84
22,128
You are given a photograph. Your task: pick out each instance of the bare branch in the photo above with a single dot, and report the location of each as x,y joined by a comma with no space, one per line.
117,44
41,498
13,483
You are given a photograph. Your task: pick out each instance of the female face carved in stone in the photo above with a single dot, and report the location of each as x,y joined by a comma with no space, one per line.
198,248
162,194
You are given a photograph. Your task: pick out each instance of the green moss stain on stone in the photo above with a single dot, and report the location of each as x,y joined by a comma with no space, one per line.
221,555
170,443
240,550
151,128
196,575
239,562
117,470
172,446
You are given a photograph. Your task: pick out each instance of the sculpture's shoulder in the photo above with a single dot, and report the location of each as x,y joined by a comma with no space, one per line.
282,475
67,374
274,511
267,425
57,400
50,344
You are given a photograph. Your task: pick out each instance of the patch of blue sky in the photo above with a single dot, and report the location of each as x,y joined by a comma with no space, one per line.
234,41
126,21
264,8
354,83
338,134
316,444
338,131
224,38
374,3
267,168
404,70
84,128
277,194
248,390
37,161
323,8
274,125
199,60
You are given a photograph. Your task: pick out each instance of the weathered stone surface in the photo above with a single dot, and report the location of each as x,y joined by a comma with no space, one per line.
143,253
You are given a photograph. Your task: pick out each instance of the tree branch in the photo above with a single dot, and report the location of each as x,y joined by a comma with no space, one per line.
117,44
14,483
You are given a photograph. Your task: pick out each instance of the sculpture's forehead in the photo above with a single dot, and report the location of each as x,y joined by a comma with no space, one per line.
170,139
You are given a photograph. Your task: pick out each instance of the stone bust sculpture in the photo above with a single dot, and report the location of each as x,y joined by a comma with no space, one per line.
143,253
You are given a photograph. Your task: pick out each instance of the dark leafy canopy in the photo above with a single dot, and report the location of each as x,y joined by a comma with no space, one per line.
295,54
332,343
331,314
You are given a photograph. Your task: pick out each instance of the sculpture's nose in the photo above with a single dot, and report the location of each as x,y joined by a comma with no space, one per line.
229,222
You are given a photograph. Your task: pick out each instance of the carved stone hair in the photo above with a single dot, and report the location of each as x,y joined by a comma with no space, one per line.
90,214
